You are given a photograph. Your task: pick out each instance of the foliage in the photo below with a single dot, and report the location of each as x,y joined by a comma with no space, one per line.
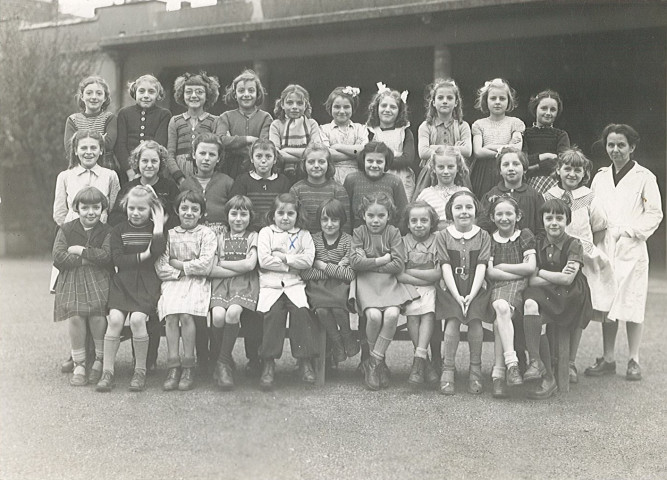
41,71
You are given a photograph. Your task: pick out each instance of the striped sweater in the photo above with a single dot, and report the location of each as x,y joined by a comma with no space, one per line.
336,256
312,196
103,123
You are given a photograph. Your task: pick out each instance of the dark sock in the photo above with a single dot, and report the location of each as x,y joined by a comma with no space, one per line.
545,354
532,326
475,340
216,341
229,334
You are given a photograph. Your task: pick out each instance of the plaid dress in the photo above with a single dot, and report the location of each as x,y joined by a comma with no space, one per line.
190,293
511,250
82,290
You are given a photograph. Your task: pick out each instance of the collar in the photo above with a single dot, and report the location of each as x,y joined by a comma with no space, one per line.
279,230
256,176
201,117
335,125
499,239
625,168
180,229
520,188
558,244
535,125
142,109
558,192
248,116
463,235
427,242
79,170
439,122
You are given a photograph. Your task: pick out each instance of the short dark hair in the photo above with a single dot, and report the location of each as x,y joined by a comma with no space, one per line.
190,196
461,193
557,207
433,215
375,147
89,196
622,129
332,208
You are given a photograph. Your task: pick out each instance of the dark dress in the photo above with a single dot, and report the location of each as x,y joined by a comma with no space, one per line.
135,287
82,290
565,305
166,190
463,252
511,251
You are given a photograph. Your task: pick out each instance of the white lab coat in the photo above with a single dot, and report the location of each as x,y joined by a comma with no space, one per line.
634,211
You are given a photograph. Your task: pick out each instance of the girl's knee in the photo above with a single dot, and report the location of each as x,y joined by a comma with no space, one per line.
138,321
452,326
502,308
116,320
218,315
475,326
234,314
373,315
391,315
530,307
187,320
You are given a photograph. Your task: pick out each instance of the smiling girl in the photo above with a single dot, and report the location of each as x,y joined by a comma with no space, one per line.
239,128
293,129
135,246
284,249
343,136
496,98
93,99
83,171
463,251
186,289
373,161
141,122
319,185
543,142
198,93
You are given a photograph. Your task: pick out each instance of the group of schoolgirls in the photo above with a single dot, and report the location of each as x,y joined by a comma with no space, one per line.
246,218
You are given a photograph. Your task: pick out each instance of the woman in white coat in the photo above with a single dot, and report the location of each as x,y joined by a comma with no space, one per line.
630,196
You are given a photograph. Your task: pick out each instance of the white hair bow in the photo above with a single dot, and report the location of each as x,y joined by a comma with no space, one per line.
404,96
382,87
352,91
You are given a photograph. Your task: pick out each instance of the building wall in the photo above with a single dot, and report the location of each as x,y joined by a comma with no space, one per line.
606,60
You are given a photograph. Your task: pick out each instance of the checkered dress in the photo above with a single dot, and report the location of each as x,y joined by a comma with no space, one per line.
82,290
512,251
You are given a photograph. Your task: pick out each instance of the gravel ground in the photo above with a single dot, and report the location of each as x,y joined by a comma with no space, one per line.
604,428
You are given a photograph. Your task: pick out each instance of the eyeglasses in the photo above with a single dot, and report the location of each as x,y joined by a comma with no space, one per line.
195,91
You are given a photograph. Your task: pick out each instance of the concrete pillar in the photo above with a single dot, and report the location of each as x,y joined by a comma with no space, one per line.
442,62
261,68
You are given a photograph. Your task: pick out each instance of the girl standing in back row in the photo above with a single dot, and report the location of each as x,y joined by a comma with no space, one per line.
239,128
489,135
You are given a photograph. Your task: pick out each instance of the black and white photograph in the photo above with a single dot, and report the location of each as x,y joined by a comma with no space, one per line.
333,239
